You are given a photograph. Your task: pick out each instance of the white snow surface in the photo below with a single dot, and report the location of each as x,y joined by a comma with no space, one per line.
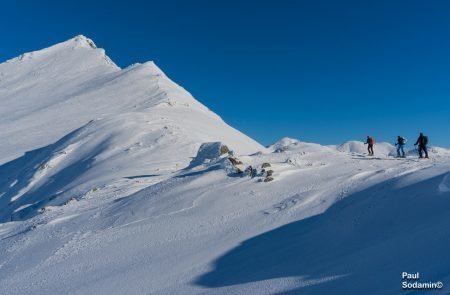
383,149
111,183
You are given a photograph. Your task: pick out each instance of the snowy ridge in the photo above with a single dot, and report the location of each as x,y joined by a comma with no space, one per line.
117,181
61,88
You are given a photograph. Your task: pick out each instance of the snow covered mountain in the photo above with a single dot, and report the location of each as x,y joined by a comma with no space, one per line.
117,181
82,123
48,93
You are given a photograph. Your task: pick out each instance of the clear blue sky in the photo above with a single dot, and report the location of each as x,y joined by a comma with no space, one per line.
320,71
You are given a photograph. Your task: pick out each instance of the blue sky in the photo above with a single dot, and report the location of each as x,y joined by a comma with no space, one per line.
319,71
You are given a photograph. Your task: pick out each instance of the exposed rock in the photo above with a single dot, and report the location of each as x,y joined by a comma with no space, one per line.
224,149
235,161
44,166
268,179
269,173
234,167
266,165
70,201
250,171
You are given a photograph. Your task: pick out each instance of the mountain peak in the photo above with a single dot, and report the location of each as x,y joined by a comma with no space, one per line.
79,41
76,45
73,55
83,41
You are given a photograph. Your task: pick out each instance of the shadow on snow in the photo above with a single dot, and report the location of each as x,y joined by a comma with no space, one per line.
141,176
19,198
368,239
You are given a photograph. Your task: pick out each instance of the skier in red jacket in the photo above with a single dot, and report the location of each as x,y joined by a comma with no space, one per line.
370,143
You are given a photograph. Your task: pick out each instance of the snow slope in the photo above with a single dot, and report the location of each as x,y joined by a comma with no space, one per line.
115,183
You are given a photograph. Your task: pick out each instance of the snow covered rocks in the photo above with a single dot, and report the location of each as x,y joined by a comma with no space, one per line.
209,151
284,144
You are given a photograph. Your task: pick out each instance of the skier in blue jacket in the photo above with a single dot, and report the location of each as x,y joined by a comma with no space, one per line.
401,141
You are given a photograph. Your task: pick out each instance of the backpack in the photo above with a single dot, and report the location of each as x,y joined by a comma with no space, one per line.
371,140
424,140
402,140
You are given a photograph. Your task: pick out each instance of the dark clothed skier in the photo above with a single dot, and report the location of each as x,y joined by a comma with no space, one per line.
401,141
370,143
422,141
